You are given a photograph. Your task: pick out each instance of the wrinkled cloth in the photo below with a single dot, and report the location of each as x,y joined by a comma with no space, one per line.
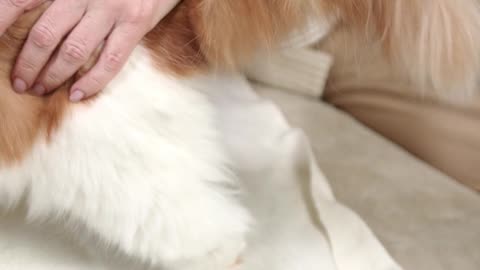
424,218
300,225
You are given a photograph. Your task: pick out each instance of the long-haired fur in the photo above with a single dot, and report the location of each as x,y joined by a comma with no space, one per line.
225,34
144,168
430,44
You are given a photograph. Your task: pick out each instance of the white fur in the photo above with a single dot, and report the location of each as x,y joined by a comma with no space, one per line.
143,169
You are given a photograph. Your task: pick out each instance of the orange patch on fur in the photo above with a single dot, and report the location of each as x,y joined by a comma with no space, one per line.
231,31
174,44
23,118
223,34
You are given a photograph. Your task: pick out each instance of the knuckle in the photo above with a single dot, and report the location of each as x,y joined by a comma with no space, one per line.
95,82
52,78
42,36
91,83
139,15
113,62
75,52
115,5
18,3
26,66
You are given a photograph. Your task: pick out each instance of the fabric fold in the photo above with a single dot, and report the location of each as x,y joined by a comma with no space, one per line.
298,217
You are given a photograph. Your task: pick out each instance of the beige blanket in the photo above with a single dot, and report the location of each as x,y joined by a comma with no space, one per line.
425,219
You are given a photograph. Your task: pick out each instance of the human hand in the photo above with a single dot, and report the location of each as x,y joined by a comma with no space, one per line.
69,32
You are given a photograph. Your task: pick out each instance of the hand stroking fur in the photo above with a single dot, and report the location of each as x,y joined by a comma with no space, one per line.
142,166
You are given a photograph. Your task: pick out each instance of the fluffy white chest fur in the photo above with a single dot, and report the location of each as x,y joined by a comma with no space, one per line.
142,167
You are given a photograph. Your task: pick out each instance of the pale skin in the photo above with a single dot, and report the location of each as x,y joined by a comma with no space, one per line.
69,32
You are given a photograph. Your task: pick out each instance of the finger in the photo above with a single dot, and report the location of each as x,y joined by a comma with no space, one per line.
43,39
118,48
10,10
75,51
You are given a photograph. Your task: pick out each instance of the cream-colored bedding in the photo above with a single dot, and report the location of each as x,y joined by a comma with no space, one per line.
425,219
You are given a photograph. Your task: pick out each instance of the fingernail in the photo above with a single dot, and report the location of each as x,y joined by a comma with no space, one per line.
76,95
19,85
38,89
